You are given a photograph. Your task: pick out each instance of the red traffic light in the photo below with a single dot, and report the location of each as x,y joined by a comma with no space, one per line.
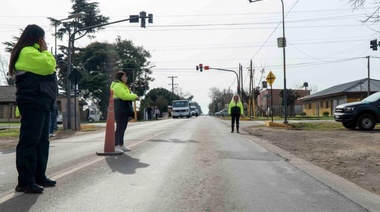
206,67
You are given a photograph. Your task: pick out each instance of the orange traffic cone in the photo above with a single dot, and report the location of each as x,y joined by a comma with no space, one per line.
109,143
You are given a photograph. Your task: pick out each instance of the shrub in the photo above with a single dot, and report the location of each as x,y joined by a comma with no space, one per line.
326,113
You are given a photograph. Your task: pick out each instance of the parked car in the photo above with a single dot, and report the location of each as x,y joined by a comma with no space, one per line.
194,111
364,114
222,113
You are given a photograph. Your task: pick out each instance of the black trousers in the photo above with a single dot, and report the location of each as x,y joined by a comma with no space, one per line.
32,151
235,117
123,110
121,126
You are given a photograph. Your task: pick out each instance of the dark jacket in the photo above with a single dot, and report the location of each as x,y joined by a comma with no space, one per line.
36,89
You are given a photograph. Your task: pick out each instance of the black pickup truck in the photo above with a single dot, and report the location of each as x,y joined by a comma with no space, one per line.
364,114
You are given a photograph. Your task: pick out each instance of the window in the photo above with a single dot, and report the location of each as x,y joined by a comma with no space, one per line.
327,104
321,104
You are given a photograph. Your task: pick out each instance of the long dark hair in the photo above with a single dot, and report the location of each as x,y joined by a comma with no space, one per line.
119,75
31,35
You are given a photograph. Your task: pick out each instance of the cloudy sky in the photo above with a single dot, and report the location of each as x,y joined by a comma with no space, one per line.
327,41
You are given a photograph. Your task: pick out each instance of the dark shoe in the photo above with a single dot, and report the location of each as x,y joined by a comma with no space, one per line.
237,131
31,188
47,183
232,131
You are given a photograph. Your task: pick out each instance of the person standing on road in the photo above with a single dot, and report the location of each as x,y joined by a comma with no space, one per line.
156,112
123,108
53,120
235,110
34,70
149,112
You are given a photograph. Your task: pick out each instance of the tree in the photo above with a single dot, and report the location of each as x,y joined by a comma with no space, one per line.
159,97
291,97
91,16
219,100
374,15
98,63
4,71
134,61
9,44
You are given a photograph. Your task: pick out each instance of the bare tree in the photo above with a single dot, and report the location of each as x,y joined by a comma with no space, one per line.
373,16
4,71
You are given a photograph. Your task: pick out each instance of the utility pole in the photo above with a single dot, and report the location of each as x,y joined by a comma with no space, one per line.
251,91
369,79
172,82
241,79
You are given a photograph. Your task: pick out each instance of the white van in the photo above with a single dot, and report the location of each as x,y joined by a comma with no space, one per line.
181,108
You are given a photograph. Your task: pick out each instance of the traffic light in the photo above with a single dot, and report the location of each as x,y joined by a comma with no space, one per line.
373,45
201,67
142,16
150,18
133,19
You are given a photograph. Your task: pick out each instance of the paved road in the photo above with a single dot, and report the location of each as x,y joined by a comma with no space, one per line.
175,165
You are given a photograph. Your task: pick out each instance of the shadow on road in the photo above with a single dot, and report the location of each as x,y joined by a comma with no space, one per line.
125,164
22,202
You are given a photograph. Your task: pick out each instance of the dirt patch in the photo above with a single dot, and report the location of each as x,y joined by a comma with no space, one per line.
353,155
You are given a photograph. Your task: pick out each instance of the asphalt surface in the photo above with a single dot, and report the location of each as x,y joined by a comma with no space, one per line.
193,164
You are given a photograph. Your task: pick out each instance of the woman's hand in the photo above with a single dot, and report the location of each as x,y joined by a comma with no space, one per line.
43,46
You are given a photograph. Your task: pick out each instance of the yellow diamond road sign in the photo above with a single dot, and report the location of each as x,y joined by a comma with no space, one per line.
270,78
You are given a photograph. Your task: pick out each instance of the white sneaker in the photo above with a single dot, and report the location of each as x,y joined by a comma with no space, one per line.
118,149
124,149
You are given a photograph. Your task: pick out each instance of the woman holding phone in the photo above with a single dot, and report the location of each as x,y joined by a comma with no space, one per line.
33,68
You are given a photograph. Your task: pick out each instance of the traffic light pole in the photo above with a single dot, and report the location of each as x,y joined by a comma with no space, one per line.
237,76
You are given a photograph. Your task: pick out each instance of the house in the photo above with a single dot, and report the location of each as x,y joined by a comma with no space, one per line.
7,103
266,95
326,100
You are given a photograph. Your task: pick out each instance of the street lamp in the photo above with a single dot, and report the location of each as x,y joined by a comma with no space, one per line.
283,45
56,22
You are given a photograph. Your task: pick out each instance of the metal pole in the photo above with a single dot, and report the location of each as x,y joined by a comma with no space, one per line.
237,77
68,88
283,52
369,89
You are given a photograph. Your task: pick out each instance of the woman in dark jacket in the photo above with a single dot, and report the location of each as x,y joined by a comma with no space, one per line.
34,70
123,108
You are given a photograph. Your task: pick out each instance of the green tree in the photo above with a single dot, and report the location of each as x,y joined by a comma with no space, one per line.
90,16
291,97
98,63
159,97
134,61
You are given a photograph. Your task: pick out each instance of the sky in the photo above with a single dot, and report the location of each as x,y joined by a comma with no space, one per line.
327,42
